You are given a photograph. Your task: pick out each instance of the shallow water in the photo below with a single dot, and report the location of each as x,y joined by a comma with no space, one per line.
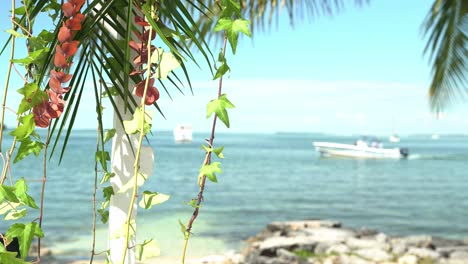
267,177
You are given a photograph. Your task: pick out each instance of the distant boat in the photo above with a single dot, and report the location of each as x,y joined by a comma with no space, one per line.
435,136
183,133
394,138
363,148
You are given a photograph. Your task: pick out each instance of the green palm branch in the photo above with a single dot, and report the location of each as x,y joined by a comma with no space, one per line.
447,28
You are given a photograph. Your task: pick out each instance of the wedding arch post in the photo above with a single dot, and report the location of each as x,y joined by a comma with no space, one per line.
122,162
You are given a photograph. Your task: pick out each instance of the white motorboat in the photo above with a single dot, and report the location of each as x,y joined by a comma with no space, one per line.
361,149
183,133
394,138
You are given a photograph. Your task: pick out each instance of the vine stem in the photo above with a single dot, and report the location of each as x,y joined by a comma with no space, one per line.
207,161
44,179
10,65
140,143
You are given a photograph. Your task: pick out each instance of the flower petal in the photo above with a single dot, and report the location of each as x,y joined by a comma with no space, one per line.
68,10
64,34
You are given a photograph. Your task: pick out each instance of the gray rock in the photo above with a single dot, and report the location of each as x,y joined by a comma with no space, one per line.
374,254
270,245
267,260
286,255
424,252
331,235
321,248
338,248
357,243
416,241
352,259
408,259
459,254
445,251
365,232
399,248
298,225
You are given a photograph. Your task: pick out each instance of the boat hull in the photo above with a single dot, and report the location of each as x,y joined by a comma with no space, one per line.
329,149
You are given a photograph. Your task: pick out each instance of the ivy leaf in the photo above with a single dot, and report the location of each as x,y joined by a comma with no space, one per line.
32,96
27,147
183,229
104,215
210,170
219,152
147,250
15,33
102,157
107,176
219,106
34,57
109,135
166,63
221,70
141,178
107,192
7,206
206,148
7,192
25,234
25,129
133,126
233,28
10,258
21,189
13,215
152,198
230,7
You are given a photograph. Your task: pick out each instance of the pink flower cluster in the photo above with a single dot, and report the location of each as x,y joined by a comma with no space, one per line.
67,47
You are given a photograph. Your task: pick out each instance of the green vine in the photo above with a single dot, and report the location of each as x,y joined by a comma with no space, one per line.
232,25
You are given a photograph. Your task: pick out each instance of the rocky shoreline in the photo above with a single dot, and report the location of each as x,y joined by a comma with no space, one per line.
327,242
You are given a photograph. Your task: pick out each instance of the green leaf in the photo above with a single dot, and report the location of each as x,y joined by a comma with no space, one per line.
107,176
221,70
233,28
27,147
32,96
184,229
133,126
147,250
141,178
219,152
193,203
25,234
109,134
15,33
13,215
34,57
104,215
102,157
21,189
152,198
219,106
210,170
7,206
206,148
10,258
25,129
166,63
107,192
7,192
230,7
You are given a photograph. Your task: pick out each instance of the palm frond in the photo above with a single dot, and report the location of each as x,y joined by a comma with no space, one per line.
447,27
262,13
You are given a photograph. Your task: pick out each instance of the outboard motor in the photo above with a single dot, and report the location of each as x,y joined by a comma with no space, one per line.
404,152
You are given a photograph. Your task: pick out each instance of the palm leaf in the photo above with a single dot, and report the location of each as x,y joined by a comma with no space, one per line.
447,27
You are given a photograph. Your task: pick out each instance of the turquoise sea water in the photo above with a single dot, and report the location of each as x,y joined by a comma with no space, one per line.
267,177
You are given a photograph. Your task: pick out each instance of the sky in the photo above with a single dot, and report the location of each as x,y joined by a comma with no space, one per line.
361,71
